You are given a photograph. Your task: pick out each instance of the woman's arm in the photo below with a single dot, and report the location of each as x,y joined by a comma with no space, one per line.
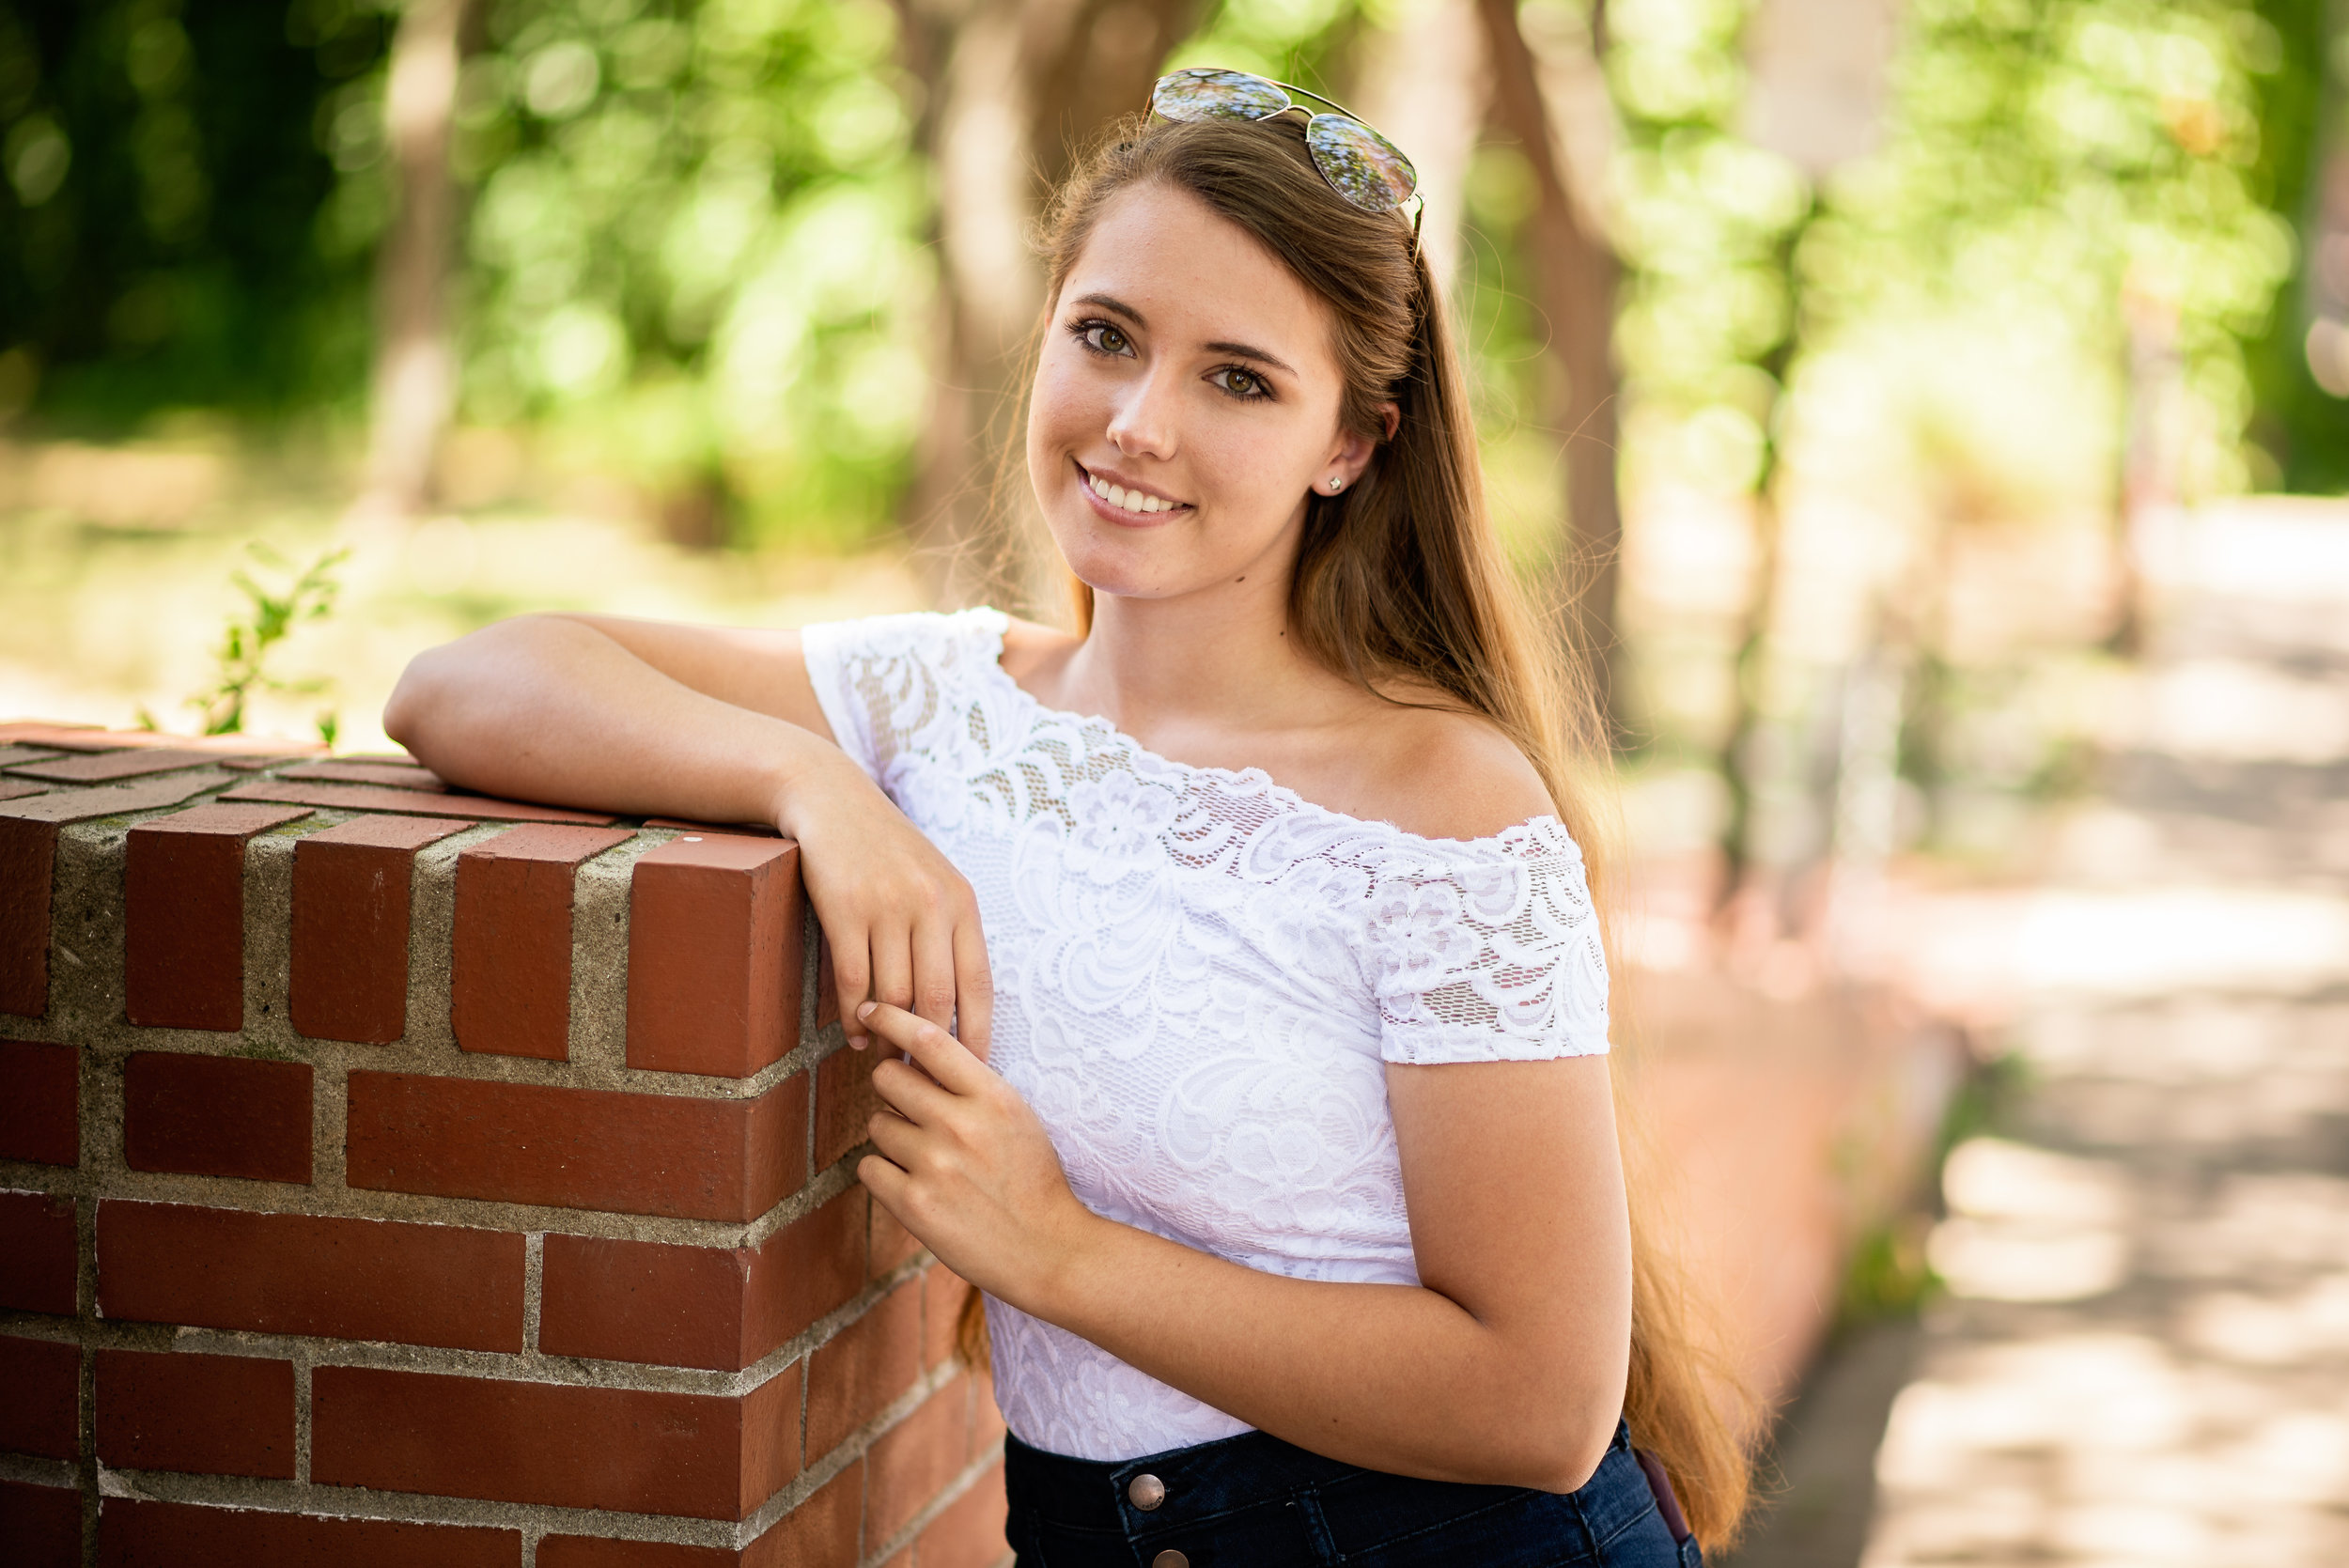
1504,1366
721,725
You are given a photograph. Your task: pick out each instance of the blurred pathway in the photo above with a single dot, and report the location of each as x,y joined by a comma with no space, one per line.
2143,1359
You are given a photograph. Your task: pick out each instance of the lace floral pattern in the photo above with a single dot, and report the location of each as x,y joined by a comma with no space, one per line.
1200,979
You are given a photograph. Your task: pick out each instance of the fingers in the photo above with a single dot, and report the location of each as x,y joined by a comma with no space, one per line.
974,990
912,1096
934,1052
886,1182
852,974
893,966
933,973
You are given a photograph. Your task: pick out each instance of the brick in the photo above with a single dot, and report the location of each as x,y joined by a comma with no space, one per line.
352,888
218,1414
260,763
753,829
710,1307
911,1462
714,957
351,797
37,1239
108,767
511,958
137,1533
683,1157
632,1450
304,1274
88,738
821,1532
40,1526
40,1102
11,755
42,1412
969,1531
216,1117
853,1376
28,855
183,915
87,805
845,1100
16,789
588,1551
392,775
943,1292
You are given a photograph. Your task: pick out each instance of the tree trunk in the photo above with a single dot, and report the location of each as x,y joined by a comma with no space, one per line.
415,371
1013,92
1426,86
1577,272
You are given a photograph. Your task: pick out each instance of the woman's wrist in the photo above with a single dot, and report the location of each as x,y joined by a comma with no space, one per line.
803,781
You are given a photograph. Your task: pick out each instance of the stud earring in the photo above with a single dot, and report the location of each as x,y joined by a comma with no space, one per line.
1336,484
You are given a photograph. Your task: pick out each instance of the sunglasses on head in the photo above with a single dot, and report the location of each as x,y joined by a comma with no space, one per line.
1367,170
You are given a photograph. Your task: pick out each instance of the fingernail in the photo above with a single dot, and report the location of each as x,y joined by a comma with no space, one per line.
865,1009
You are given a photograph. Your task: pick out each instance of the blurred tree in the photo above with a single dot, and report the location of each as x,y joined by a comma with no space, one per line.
165,174
1012,94
2300,367
1577,271
415,373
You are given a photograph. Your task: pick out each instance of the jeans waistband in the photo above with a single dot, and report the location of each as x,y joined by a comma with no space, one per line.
1087,1494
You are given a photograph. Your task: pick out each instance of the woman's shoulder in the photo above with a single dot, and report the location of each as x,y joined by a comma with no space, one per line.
1438,772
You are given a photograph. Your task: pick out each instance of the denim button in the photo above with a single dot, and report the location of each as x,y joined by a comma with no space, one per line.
1169,1558
1146,1492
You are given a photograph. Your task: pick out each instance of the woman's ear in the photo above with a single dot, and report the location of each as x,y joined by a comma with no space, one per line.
1354,451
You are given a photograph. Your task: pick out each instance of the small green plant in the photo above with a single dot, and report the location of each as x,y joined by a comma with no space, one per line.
239,668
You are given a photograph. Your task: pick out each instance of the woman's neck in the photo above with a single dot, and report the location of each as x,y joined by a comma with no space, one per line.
1179,674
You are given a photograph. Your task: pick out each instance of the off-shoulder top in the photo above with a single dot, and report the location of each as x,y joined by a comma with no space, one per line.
1199,979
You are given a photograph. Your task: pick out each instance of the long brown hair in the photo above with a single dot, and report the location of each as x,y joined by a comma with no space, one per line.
1401,585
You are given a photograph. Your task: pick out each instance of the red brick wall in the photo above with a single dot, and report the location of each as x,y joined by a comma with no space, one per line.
394,1176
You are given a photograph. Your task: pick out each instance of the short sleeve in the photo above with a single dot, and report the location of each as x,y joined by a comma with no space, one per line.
893,685
1489,952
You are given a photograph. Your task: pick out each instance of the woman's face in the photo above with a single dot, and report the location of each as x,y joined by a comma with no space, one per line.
1189,375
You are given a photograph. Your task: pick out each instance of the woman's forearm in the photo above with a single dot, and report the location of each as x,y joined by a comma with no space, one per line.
1392,1378
552,709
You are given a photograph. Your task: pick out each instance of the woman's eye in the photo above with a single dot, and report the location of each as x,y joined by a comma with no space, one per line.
1103,338
1241,384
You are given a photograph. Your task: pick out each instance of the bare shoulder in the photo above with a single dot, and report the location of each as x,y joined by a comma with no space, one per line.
1030,644
1442,773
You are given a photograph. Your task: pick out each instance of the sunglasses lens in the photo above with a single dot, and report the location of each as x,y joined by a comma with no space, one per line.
1203,94
1360,164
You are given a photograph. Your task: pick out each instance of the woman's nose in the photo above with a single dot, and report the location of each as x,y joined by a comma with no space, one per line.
1142,423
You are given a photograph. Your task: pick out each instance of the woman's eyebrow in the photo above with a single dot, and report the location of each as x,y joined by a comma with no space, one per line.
1110,301
1245,352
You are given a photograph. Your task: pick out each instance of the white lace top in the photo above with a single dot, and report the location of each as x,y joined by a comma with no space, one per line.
1200,977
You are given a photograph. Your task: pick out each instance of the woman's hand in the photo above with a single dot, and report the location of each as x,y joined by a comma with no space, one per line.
902,923
965,1165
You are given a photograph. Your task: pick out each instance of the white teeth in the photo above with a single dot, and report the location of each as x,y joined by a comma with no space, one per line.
1131,501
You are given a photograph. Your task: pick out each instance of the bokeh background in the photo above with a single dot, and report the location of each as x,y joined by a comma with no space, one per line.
1930,412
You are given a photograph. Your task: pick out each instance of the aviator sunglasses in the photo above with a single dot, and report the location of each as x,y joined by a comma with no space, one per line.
1360,166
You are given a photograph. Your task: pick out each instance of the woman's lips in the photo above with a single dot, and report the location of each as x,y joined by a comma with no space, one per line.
1120,504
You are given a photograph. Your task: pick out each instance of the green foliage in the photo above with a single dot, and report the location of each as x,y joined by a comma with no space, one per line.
696,246
2044,156
164,175
241,665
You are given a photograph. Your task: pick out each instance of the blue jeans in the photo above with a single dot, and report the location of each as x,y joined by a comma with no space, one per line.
1254,1502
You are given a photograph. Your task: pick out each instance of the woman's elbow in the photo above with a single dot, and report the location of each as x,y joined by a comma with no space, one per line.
1566,1440
407,713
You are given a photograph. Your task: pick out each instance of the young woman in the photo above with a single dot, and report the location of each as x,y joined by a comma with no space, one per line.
1239,944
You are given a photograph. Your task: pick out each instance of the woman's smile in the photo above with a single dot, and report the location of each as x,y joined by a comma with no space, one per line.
1126,502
